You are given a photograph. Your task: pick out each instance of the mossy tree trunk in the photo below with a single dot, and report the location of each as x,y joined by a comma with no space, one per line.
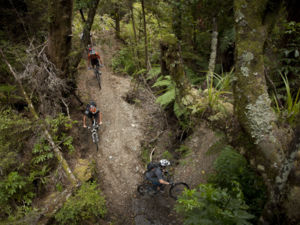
213,52
60,33
135,46
253,23
86,33
145,34
117,18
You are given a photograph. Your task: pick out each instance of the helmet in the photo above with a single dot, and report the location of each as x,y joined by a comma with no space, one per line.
90,49
93,103
93,109
164,162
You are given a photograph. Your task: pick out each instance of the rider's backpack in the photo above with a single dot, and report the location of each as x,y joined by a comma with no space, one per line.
152,165
93,54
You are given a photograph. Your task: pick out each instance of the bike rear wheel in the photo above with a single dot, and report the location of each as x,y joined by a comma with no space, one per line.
143,189
177,189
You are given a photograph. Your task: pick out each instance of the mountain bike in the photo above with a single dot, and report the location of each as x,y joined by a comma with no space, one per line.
176,189
98,73
94,130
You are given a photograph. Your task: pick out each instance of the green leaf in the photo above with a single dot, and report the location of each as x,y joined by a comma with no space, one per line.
166,98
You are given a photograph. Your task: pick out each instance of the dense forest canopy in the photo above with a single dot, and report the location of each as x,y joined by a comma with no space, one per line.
232,64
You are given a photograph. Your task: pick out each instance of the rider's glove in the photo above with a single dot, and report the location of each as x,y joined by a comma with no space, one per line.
100,123
171,183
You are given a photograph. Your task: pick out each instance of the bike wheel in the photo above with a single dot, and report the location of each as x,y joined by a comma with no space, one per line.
143,189
177,189
98,79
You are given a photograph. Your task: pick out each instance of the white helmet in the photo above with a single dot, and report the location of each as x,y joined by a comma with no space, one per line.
164,162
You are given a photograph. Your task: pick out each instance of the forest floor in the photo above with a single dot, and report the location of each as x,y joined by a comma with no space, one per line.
118,161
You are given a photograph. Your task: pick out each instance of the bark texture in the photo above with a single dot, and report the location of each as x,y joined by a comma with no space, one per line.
213,51
275,158
86,33
145,35
60,33
117,20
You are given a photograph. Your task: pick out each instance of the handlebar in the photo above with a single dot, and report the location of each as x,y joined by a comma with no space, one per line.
88,127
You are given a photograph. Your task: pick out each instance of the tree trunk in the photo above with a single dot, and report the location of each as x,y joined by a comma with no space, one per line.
177,20
72,179
145,35
213,52
82,15
163,64
135,47
86,33
133,21
60,33
275,158
117,20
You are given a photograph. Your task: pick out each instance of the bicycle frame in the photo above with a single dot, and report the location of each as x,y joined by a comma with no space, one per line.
94,131
98,74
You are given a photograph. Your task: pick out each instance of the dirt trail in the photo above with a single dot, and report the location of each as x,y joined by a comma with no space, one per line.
120,135
118,159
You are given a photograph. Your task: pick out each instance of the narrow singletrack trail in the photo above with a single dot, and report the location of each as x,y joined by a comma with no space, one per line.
120,135
118,160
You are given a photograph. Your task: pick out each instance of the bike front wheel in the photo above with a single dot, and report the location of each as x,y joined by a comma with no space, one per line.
177,189
98,79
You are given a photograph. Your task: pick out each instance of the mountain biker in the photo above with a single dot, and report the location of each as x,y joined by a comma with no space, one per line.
93,58
154,174
92,112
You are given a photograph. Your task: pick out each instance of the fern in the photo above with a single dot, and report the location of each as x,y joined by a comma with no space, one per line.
227,39
166,98
163,81
153,73
169,96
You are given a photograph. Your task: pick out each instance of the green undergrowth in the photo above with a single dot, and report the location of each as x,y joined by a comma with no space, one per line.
234,194
86,206
27,159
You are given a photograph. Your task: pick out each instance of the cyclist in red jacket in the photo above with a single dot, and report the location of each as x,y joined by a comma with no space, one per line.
94,58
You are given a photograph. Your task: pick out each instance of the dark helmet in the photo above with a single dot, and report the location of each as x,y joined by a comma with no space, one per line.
93,103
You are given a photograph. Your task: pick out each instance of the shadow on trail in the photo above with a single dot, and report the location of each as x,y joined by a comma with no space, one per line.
154,210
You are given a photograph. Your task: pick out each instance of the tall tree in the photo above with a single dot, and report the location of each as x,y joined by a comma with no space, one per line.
276,154
92,9
213,53
60,32
145,34
117,18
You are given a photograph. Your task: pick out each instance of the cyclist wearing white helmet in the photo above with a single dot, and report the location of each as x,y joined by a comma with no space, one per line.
154,173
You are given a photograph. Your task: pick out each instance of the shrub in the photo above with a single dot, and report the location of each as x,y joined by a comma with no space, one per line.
87,204
231,169
13,132
209,205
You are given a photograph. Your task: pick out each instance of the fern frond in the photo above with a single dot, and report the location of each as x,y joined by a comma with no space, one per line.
168,97
154,72
163,81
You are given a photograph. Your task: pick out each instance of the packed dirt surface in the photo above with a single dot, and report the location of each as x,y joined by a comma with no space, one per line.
118,160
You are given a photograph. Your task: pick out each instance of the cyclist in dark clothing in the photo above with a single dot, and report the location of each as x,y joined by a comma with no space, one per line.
92,112
155,175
